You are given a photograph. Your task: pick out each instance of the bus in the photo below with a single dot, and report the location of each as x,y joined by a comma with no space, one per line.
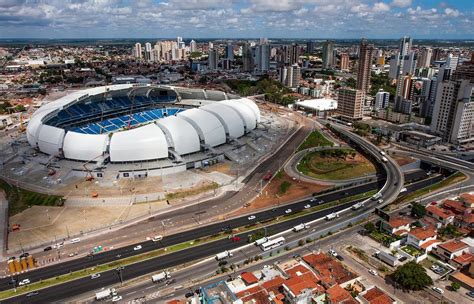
273,243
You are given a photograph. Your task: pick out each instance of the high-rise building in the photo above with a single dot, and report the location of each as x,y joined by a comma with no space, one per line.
409,64
394,70
247,58
344,62
405,87
381,100
465,70
262,58
213,59
148,52
229,51
349,103
452,62
193,46
210,45
453,114
180,43
294,55
436,55
328,54
405,46
310,46
290,75
263,40
424,60
365,65
138,51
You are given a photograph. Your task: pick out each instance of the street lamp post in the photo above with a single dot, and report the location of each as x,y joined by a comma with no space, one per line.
119,273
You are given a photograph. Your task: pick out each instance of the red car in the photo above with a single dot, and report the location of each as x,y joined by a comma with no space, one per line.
235,239
267,176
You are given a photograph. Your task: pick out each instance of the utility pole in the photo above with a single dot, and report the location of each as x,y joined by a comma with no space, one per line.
119,272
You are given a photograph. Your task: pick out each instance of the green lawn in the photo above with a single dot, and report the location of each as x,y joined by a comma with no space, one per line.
20,199
315,139
412,251
329,166
382,237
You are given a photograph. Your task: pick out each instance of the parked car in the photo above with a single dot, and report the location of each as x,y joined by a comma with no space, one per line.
470,294
47,248
332,252
288,211
373,272
340,257
138,247
438,290
251,218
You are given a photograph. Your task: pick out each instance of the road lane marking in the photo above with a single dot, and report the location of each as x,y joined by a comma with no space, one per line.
130,293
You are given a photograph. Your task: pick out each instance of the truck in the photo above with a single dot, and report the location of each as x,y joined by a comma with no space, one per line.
331,216
384,159
160,276
105,294
261,241
376,196
300,227
223,255
358,205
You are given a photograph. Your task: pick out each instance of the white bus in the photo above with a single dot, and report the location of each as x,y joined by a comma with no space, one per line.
273,243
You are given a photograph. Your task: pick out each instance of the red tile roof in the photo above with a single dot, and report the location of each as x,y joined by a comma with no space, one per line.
464,259
256,294
468,198
249,278
423,233
329,270
401,232
377,296
453,246
297,284
441,213
398,222
273,284
337,294
454,206
429,243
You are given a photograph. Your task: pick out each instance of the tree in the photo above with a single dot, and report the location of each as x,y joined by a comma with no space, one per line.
455,286
418,210
412,276
370,227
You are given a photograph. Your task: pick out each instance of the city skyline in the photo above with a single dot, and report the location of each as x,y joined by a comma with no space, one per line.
338,19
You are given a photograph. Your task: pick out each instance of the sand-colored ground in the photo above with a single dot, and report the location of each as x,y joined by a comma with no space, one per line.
403,160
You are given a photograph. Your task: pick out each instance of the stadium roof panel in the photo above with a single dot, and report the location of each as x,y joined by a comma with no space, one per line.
209,128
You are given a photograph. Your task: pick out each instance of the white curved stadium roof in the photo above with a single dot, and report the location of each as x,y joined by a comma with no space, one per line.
144,143
229,118
209,128
84,147
180,134
209,124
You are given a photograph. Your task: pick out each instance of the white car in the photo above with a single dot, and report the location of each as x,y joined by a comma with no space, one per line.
116,298
138,247
24,282
287,211
312,200
438,290
373,272
307,206
95,276
76,240
332,252
157,238
252,217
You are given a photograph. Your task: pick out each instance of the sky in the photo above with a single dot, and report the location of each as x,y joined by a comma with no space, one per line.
422,19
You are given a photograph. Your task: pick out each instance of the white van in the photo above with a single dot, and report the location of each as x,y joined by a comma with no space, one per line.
76,240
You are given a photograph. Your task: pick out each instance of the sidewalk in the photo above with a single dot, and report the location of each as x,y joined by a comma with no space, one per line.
3,225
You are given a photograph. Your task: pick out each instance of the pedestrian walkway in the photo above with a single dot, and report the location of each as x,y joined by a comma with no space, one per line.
3,224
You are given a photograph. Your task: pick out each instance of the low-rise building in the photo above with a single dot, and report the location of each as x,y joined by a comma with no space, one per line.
375,295
420,236
443,216
397,225
338,295
462,261
451,249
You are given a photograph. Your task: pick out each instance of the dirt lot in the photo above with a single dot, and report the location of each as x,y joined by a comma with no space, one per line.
403,160
271,196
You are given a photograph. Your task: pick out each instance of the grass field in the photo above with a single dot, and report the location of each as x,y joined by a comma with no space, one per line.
20,199
332,165
315,139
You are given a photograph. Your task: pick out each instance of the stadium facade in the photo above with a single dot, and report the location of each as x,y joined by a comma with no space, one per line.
135,123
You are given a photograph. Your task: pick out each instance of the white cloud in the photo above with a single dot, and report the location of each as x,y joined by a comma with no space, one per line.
381,7
401,3
451,12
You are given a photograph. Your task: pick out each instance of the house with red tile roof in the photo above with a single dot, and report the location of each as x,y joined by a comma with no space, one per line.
467,199
375,295
451,249
256,295
248,278
421,235
443,216
329,270
397,225
456,207
462,261
338,295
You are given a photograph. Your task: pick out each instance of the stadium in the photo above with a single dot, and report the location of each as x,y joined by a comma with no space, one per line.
169,128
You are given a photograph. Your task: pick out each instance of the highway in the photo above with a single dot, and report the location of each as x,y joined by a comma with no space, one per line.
59,292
